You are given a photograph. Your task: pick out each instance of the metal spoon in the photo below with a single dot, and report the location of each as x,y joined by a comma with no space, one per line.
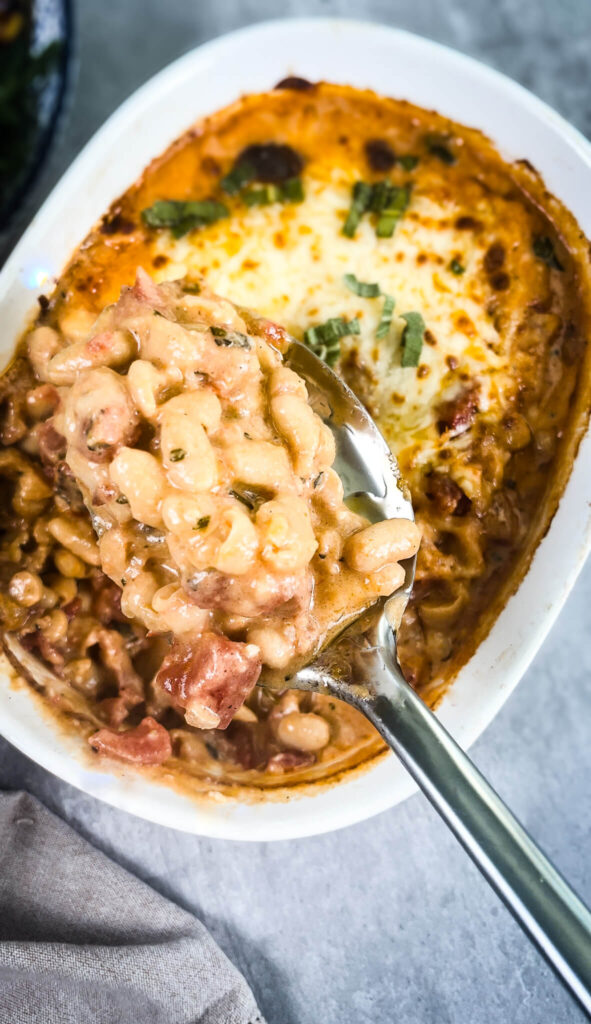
361,668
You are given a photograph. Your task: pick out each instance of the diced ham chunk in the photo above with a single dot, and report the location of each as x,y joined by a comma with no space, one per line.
458,413
52,446
209,679
237,595
148,743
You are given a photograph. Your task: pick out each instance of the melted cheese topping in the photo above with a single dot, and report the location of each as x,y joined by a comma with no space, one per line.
289,262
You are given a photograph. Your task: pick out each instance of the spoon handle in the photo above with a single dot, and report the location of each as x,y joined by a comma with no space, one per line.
543,903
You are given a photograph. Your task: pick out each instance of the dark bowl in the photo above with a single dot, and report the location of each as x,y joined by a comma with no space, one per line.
36,55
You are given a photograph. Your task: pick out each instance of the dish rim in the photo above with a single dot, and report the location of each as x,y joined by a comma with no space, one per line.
383,784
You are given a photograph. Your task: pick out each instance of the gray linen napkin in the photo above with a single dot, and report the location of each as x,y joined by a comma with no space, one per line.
82,940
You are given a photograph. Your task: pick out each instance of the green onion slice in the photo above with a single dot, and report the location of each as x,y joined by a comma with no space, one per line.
394,202
386,317
362,288
291,191
456,267
360,202
412,339
183,215
241,174
408,163
325,339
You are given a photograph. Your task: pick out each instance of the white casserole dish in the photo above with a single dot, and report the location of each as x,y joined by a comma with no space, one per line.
396,64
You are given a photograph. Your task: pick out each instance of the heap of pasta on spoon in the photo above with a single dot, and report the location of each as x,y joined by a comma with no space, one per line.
210,484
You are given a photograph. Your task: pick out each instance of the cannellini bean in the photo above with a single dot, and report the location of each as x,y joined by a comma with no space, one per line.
300,427
260,464
183,514
26,588
167,343
42,344
187,455
145,381
303,731
109,348
328,489
327,450
140,478
201,407
277,647
76,535
330,549
69,565
65,588
113,551
245,714
239,545
54,625
99,414
287,538
387,579
76,324
200,716
283,381
176,611
382,543
136,601
42,401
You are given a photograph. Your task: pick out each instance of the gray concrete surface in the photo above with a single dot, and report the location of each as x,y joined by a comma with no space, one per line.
386,921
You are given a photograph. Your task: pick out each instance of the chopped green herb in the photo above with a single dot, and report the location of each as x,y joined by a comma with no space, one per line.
360,201
456,267
177,454
202,523
324,339
230,339
543,248
379,195
293,190
262,196
386,317
408,163
395,202
241,174
182,216
192,288
362,288
412,339
387,200
437,145
245,499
